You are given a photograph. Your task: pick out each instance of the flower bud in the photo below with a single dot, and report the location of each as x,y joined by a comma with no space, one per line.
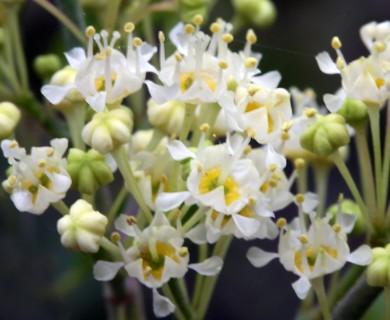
108,130
326,135
45,65
168,116
260,13
378,272
9,118
83,228
353,111
88,170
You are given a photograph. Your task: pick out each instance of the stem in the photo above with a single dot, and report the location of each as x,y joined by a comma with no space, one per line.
373,113
112,10
179,291
61,207
302,179
188,118
75,117
122,160
203,250
111,248
387,302
118,203
321,178
196,217
386,159
63,19
339,162
220,250
168,293
366,168
157,136
318,286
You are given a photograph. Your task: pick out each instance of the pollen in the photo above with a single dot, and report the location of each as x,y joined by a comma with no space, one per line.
129,27
251,36
215,27
137,42
300,198
299,163
336,43
197,20
303,239
189,28
250,62
227,37
310,112
281,223
115,237
161,36
90,31
131,220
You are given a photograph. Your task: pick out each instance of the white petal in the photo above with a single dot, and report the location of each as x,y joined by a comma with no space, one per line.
272,157
208,267
260,258
326,63
179,151
362,256
334,102
23,201
55,94
198,234
310,202
162,306
60,145
75,57
346,221
97,102
269,80
122,225
105,270
247,226
301,287
170,200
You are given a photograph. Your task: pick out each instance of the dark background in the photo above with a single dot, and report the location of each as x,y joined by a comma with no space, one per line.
32,259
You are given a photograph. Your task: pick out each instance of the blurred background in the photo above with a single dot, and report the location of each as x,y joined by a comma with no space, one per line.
35,282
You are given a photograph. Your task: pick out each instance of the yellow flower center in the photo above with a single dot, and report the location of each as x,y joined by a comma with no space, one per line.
311,256
100,83
188,78
155,265
253,105
210,181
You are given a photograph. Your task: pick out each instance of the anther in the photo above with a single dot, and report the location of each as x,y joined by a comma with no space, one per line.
129,27
12,180
247,150
137,42
131,220
183,252
251,36
252,90
251,201
227,37
300,198
310,112
286,126
41,163
197,20
299,163
223,64
250,62
379,46
250,132
281,223
115,237
303,239
340,63
161,36
199,167
336,228
273,167
90,31
204,127
49,151
336,43
189,28
178,57
285,135
341,197
13,144
215,27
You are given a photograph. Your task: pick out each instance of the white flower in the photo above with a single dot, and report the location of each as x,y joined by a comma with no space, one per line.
9,118
156,256
83,228
38,179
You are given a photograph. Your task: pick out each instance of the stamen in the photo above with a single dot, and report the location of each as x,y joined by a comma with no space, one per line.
303,239
199,167
178,57
379,46
227,37
273,167
204,127
12,180
341,197
250,62
223,64
161,36
90,31
115,36
13,144
49,151
189,29
336,227
215,27
300,198
129,27
197,20
281,223
251,36
137,42
41,163
131,220
115,237
97,37
310,112
104,34
252,201
285,135
183,252
299,163
247,150
336,43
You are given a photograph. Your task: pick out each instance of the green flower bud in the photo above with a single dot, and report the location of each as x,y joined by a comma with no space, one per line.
168,116
83,228
260,13
46,65
9,118
108,130
350,207
88,170
326,135
353,111
378,272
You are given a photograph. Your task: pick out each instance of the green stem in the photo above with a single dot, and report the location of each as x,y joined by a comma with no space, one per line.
366,168
319,288
75,118
302,179
63,19
61,207
196,217
386,159
117,205
112,11
387,302
19,52
168,293
220,250
9,74
157,136
122,160
188,119
321,178
111,248
339,162
202,255
179,291
373,113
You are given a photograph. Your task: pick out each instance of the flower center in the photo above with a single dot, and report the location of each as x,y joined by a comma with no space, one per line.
210,181
311,256
188,78
100,83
